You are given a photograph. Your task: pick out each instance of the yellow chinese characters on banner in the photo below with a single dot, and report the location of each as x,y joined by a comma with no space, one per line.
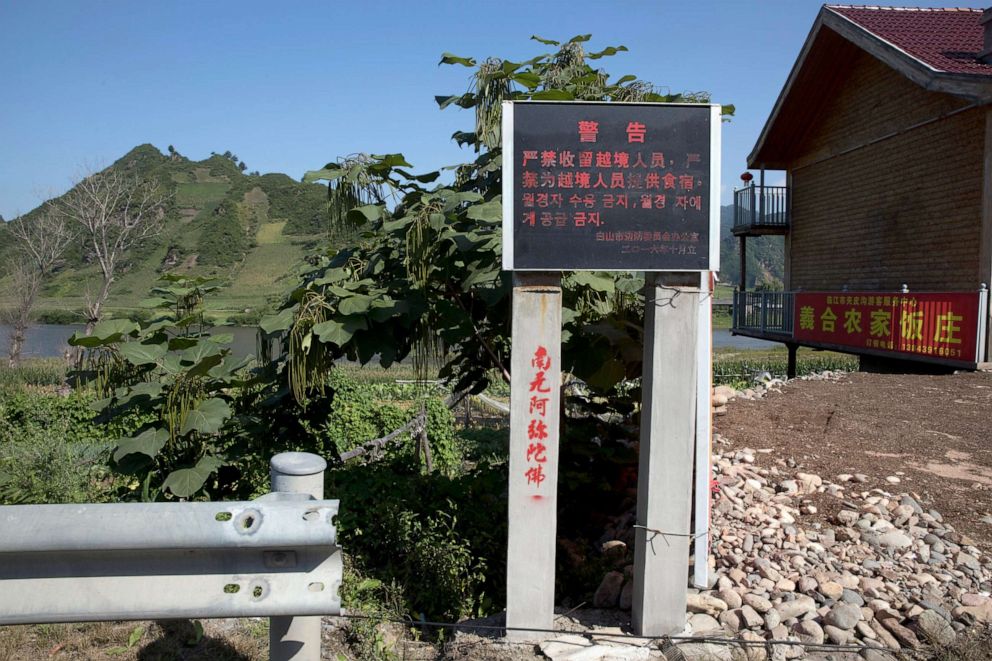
935,325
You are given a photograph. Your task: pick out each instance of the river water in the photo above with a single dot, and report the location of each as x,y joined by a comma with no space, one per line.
50,340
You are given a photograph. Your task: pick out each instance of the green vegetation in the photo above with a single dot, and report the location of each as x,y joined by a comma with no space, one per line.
739,368
163,410
251,232
765,257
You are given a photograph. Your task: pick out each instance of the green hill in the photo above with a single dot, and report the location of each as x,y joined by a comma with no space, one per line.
765,256
250,231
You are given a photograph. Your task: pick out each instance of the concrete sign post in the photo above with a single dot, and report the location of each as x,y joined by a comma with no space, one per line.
608,187
535,367
704,431
668,425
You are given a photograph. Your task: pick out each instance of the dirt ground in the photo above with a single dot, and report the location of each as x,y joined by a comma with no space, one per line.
934,433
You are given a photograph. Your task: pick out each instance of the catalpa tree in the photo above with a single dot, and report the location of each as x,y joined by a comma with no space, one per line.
423,280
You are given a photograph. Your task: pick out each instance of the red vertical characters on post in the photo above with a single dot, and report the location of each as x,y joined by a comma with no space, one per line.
537,429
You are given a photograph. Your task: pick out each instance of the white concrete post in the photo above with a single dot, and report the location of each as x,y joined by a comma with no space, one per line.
535,368
296,638
664,484
704,430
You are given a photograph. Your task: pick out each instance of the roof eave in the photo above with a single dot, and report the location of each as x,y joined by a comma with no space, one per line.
752,161
974,88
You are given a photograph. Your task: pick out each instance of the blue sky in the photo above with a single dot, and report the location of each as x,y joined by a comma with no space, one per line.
289,87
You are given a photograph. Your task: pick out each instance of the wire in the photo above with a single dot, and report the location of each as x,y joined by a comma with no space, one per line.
816,647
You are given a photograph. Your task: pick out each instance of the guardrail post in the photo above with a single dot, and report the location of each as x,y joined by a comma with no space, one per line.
296,638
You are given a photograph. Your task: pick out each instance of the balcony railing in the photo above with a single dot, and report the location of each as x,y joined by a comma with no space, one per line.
761,210
763,312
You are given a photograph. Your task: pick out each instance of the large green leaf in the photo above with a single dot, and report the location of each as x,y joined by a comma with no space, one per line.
104,333
357,304
205,348
553,95
149,442
598,281
137,353
339,331
546,42
281,321
491,211
187,481
207,418
448,58
325,174
610,50
367,213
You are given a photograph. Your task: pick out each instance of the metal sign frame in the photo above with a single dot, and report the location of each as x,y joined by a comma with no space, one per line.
509,165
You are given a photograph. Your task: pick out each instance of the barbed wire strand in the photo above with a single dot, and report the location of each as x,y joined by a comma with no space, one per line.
816,647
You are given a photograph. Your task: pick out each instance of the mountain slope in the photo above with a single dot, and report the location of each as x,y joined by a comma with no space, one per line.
250,231
765,256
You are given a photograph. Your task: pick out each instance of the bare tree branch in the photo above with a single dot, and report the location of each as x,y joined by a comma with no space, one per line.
23,286
40,241
114,212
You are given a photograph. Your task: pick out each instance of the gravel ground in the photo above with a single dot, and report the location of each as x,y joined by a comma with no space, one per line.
932,433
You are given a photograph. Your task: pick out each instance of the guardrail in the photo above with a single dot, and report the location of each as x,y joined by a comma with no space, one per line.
765,312
276,557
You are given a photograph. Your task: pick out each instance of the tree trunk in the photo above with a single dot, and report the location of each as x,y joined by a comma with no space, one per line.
26,285
94,308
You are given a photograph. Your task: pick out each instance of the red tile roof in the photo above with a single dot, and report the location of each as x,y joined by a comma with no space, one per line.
947,40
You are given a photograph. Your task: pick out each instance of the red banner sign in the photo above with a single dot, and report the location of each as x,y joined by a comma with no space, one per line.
940,326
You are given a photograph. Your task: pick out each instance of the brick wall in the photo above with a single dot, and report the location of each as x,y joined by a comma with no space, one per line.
904,210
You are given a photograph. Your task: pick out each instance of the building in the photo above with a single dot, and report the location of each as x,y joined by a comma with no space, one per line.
884,129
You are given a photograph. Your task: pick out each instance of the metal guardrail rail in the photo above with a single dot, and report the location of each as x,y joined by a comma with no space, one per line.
71,563
764,312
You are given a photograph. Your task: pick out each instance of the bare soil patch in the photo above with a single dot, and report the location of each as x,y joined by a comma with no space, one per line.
932,432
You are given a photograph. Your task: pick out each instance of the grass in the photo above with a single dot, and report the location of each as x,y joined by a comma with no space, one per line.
34,372
201,194
221,640
738,367
269,233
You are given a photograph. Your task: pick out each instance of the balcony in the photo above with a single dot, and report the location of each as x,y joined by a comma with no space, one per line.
760,210
763,313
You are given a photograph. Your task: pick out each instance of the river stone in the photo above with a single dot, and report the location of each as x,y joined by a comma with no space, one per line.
981,613
852,597
969,561
731,620
627,596
701,623
883,635
798,607
972,599
894,539
757,602
705,652
749,617
934,629
838,636
843,616
608,593
705,603
905,637
753,652
731,598
614,549
831,590
772,619
809,632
